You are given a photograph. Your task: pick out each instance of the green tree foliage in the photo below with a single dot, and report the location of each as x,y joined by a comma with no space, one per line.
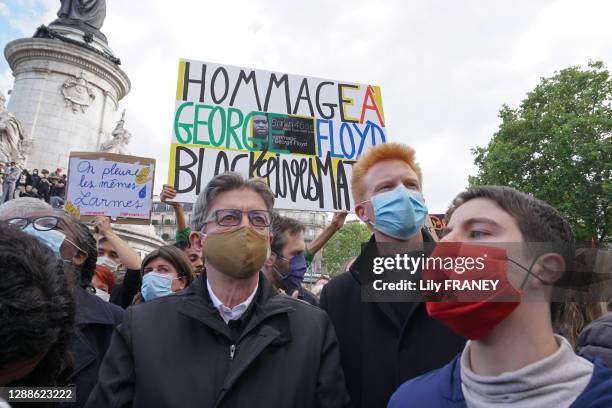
557,147
344,246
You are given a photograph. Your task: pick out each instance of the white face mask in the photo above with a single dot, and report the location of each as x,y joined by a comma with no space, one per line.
102,294
109,263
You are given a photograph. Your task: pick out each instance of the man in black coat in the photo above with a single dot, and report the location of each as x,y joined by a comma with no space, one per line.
229,339
383,344
95,322
44,185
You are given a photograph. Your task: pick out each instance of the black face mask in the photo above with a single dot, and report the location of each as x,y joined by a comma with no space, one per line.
529,273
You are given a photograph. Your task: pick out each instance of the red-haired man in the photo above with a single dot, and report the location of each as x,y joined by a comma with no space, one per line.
383,344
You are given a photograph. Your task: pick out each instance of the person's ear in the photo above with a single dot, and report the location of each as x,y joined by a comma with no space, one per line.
270,261
181,283
549,268
195,241
79,258
360,211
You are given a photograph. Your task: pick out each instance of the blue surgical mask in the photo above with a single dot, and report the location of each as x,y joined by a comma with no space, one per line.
155,285
399,213
295,276
52,238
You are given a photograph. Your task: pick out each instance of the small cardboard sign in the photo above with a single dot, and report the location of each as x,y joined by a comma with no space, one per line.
113,185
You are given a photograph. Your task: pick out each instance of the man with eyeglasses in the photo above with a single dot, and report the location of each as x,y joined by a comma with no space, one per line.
286,266
40,220
229,339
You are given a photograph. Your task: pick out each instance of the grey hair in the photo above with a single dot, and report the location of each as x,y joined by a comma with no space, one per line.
226,182
85,240
280,225
23,207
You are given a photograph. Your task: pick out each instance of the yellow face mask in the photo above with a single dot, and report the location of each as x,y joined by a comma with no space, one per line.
239,253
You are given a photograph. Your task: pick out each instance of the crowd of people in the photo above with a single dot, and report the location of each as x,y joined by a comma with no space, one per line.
15,182
221,318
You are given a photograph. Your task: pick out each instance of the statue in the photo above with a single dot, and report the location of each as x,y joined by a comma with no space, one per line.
78,94
13,144
120,139
87,15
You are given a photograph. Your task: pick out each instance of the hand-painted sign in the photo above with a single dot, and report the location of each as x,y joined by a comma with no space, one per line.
301,134
108,184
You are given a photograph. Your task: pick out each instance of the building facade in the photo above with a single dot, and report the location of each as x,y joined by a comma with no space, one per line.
141,238
163,219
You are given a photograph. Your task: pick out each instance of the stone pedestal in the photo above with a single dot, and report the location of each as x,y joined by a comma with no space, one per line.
140,237
65,94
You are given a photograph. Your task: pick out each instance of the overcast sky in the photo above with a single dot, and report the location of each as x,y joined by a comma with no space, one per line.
445,67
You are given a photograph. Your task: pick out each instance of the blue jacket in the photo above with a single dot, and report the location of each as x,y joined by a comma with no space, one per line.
442,389
596,339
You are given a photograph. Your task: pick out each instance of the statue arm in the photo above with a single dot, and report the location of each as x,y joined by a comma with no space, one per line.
20,130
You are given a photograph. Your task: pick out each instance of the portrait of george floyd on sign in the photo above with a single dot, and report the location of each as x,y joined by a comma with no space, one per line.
300,134
113,185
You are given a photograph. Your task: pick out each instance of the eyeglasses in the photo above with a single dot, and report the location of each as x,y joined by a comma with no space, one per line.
45,223
231,217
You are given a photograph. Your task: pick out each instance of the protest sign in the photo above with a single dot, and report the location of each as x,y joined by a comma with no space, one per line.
437,222
300,134
113,185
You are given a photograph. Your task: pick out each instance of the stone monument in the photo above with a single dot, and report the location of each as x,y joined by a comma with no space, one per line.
86,15
120,138
13,143
68,85
65,98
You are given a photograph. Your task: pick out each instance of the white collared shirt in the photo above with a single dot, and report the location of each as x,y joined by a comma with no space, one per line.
233,313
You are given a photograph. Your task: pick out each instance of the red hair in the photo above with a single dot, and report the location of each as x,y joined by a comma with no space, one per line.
105,275
375,155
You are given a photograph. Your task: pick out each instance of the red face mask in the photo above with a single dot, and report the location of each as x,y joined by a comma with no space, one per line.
470,313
